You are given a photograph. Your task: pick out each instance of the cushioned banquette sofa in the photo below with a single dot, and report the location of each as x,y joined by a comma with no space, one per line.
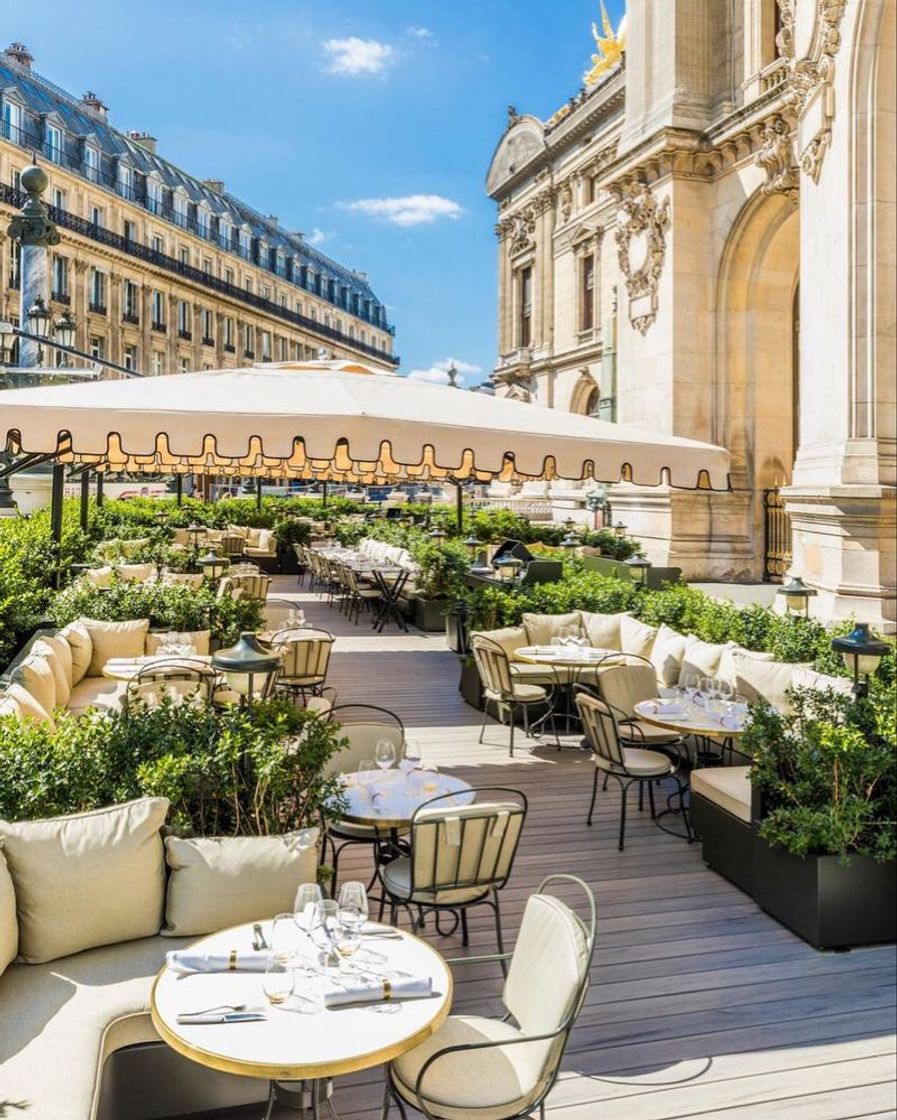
64,669
89,906
720,792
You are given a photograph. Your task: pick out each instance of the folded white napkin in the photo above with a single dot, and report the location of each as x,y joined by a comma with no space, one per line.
667,708
185,961
404,987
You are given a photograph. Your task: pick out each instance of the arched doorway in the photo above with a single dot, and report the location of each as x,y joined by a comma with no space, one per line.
757,403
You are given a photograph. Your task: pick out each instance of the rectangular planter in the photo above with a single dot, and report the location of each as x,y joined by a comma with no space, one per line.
429,614
830,905
470,687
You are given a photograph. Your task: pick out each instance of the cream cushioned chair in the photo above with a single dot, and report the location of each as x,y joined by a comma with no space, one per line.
74,874
502,685
621,687
305,659
209,888
474,1068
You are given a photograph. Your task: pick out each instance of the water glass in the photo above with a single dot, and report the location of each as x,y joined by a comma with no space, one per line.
327,927
353,905
385,754
310,993
279,981
307,898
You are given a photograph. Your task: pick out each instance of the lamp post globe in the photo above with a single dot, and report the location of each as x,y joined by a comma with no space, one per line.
619,530
862,652
796,596
638,566
64,330
39,318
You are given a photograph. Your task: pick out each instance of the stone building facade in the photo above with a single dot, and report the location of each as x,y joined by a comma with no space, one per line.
701,241
162,271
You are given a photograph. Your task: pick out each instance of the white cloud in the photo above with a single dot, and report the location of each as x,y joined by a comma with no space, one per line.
354,56
317,237
424,34
437,374
409,210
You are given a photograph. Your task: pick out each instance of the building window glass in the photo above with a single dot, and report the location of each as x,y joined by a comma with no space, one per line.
228,276
129,230
183,365
158,244
265,338
96,216
130,357
60,278
180,205
158,302
125,181
97,290
12,121
130,302
59,198
158,359
224,233
525,308
245,243
91,164
204,223
183,318
228,325
54,143
207,266
184,256
208,326
587,293
249,341
154,196
97,347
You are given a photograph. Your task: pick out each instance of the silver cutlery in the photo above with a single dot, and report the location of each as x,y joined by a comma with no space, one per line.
226,1017
258,937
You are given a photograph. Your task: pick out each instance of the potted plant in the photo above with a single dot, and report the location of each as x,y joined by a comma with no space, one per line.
826,837
439,580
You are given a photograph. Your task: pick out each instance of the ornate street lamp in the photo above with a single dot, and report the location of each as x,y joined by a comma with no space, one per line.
64,330
569,526
638,566
570,542
195,532
249,668
862,653
213,566
39,318
437,536
797,596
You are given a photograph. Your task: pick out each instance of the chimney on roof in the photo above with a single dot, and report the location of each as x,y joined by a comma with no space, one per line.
94,105
143,139
19,53
216,185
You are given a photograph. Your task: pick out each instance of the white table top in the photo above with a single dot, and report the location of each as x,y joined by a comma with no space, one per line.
566,655
288,1044
126,668
393,796
692,720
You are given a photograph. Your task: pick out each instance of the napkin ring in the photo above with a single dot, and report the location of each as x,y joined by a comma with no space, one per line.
387,990
232,961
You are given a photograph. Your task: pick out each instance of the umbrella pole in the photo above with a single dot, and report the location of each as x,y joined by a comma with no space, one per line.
258,494
323,495
56,502
179,488
459,507
100,477
85,498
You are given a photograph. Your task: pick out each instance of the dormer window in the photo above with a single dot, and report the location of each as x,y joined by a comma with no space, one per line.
125,181
91,163
53,143
180,207
245,243
12,121
225,233
154,196
280,264
203,222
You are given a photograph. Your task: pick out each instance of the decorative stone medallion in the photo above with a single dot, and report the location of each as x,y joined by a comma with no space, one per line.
641,250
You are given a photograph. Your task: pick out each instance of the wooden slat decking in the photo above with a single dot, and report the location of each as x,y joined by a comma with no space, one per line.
701,1005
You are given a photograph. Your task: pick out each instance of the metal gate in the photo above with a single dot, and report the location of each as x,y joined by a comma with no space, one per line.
777,537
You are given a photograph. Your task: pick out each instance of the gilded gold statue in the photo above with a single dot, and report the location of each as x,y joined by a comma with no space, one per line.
611,47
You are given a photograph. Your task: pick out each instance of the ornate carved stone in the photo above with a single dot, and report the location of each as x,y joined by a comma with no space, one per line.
774,156
565,202
810,46
641,245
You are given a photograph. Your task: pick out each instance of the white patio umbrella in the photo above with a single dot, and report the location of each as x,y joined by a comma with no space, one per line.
338,421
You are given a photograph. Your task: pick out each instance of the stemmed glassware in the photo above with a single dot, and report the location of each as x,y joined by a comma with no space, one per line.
411,759
385,754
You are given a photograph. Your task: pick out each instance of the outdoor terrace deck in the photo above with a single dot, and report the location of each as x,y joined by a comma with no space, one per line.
701,1005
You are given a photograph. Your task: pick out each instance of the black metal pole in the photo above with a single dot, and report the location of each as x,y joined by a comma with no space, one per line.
258,494
323,495
100,477
85,498
459,507
179,488
57,492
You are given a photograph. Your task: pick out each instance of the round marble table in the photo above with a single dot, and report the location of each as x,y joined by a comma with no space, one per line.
390,798
691,719
569,657
287,1044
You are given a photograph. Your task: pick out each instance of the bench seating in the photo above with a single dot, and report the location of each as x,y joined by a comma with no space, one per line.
722,812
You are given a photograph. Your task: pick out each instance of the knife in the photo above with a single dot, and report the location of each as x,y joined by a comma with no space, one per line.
228,1017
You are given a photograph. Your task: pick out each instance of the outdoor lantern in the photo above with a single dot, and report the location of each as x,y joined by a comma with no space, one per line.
195,532
639,567
797,596
39,317
473,546
862,653
509,568
249,668
569,526
437,536
64,330
570,542
619,530
162,515
213,566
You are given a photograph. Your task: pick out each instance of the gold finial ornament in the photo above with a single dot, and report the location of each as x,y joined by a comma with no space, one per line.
611,47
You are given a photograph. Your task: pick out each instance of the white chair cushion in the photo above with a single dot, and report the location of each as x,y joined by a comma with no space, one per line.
488,1084
396,876
640,731
525,693
95,692
702,658
766,681
9,926
510,638
62,1020
726,786
35,674
87,879
639,761
603,630
666,655
542,629
218,882
135,573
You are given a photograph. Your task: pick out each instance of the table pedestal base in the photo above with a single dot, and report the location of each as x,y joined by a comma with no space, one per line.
303,1097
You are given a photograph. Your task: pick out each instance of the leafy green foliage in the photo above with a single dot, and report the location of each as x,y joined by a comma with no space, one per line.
441,568
827,773
225,773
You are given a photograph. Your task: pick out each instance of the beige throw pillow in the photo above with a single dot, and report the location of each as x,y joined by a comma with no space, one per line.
727,671
199,638
135,573
766,681
603,630
58,653
510,638
666,655
9,926
87,879
27,706
542,629
636,637
702,658
114,639
805,677
35,675
81,646
218,882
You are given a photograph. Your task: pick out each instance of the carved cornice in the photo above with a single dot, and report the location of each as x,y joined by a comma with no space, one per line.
775,158
642,234
811,66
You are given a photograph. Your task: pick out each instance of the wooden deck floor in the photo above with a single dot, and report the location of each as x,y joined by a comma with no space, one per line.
701,1005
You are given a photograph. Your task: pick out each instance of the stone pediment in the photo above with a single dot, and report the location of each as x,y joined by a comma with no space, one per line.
522,143
577,235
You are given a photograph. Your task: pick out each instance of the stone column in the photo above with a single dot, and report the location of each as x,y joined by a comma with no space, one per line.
35,232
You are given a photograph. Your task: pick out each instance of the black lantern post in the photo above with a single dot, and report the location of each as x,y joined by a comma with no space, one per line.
213,566
473,546
797,596
862,653
437,536
250,668
638,566
619,530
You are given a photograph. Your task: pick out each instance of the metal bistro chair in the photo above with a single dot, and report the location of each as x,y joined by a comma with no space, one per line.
501,687
280,615
303,563
305,659
232,544
504,1069
362,726
357,594
461,856
621,687
626,764
182,678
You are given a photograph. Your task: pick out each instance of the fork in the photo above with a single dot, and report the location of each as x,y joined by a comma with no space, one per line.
220,1007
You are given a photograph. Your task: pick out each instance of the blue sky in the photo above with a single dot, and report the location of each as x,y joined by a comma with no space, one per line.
368,126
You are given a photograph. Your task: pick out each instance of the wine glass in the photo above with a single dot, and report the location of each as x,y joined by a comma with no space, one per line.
279,981
284,945
385,754
327,924
353,904
307,898
690,686
705,689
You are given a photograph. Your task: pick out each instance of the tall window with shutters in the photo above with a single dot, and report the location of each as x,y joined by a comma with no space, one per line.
525,308
587,292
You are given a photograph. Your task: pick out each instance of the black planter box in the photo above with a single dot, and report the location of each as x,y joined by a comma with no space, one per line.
826,903
429,614
470,687
456,631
